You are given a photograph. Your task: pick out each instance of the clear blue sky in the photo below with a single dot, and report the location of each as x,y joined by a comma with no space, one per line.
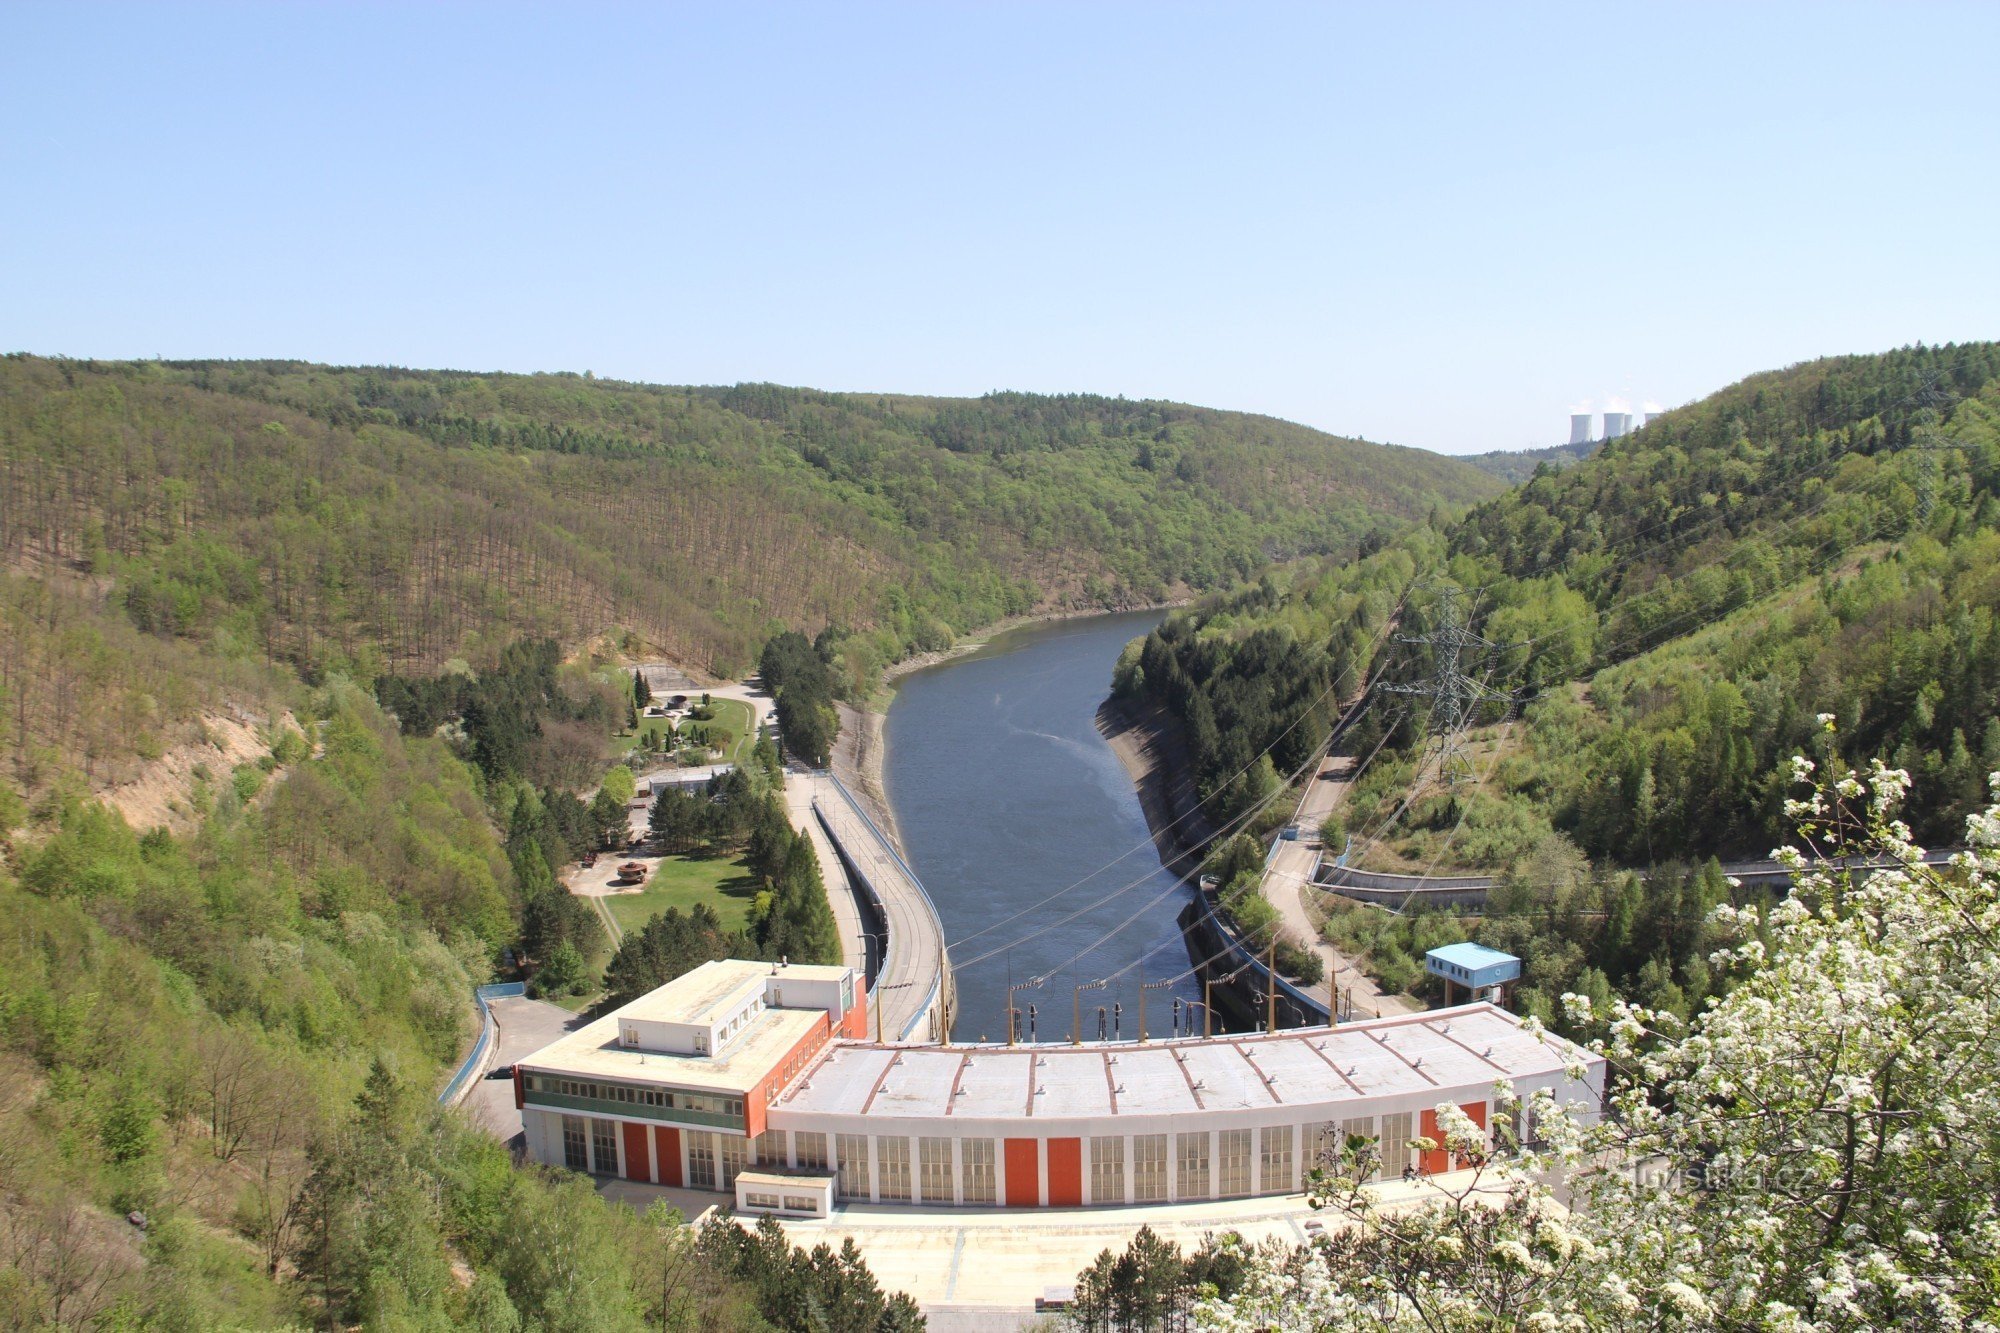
1438,225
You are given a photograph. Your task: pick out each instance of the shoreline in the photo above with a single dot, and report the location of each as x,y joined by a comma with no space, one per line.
980,638
1150,749
860,752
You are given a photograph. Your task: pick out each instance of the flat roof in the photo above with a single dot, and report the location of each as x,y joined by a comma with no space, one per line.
698,996
1471,956
705,994
1445,1048
593,1050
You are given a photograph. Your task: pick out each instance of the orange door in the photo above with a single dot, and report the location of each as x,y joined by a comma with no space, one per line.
1477,1112
1066,1173
1024,1172
1437,1159
667,1140
638,1162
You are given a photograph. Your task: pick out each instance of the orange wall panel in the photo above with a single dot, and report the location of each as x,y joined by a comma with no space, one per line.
667,1140
638,1162
854,1023
1437,1159
1066,1173
1024,1173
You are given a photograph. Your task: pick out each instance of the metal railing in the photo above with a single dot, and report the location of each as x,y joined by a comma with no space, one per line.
488,1031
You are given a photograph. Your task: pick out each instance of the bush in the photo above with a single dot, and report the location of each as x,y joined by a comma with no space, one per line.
1302,965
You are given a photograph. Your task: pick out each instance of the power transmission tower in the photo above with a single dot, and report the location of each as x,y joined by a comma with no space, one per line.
1453,694
1931,401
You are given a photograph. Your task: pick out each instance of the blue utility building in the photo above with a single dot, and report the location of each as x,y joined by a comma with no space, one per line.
1483,973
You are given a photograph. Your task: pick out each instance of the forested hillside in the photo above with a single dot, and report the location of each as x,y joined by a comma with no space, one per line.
1514,466
303,673
321,514
1671,618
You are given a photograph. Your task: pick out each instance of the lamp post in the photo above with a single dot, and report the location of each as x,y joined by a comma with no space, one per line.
1145,986
1013,1027
1208,999
1076,1017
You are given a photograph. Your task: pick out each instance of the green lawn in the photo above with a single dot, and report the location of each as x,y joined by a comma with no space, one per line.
732,716
683,881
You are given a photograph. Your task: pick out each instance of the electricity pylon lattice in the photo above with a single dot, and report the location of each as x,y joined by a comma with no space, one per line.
1452,693
1932,401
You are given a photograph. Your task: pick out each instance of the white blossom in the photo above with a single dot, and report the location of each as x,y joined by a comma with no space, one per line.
1813,1152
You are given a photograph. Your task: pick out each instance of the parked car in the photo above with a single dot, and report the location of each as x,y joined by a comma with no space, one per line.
500,1071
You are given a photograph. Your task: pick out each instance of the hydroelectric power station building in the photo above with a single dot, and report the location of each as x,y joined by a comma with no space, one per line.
758,1079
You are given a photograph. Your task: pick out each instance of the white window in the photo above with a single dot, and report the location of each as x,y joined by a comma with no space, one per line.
1274,1160
1233,1162
1107,1170
735,1152
576,1144
604,1147
809,1148
1149,1168
1361,1127
1317,1142
1193,1181
892,1163
934,1164
771,1148
1395,1144
975,1158
701,1159
852,1168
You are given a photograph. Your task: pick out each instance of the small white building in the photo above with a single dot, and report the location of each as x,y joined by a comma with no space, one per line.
686,779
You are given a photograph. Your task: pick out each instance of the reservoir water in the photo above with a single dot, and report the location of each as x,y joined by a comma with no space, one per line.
1026,831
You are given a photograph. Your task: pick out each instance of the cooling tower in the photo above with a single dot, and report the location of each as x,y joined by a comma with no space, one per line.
1616,424
1579,428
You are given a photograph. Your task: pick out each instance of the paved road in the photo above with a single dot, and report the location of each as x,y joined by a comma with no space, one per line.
981,1268
1285,884
802,786
525,1026
916,940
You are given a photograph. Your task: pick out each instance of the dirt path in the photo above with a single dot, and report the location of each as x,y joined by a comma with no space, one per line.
1287,886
